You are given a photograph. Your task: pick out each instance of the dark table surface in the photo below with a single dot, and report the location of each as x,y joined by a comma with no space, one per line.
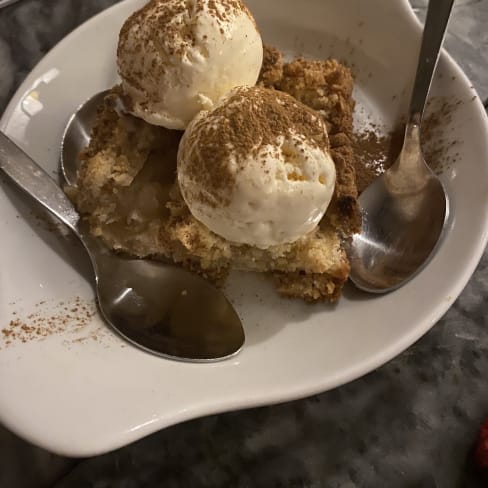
411,423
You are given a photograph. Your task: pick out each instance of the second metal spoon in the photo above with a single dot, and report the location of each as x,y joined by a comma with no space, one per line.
405,209
159,308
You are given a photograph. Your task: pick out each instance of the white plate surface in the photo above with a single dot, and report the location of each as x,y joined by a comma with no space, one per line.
82,391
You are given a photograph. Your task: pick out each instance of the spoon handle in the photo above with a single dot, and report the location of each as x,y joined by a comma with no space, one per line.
438,14
31,178
4,3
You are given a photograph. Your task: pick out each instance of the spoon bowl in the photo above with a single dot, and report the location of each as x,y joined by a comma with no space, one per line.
164,309
404,215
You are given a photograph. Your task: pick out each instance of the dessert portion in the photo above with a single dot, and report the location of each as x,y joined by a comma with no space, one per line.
256,170
254,183
177,57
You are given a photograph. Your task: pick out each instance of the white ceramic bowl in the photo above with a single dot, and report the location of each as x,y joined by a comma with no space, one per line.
82,391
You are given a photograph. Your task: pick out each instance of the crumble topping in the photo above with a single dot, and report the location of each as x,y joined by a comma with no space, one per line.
272,68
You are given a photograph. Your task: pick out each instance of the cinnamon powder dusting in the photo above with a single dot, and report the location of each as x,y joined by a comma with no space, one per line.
73,316
247,125
376,152
166,28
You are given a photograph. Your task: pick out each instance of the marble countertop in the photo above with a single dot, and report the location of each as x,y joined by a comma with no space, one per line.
411,423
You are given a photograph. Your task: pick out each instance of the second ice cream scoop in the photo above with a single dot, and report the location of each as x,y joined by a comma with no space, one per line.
177,57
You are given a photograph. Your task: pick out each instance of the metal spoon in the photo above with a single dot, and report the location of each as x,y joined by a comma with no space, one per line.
159,308
405,209
5,3
77,135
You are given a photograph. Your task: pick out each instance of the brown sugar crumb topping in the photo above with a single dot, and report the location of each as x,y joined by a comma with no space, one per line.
250,119
272,67
325,86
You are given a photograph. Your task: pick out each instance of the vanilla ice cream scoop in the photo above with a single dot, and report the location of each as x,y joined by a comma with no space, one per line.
178,57
257,169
